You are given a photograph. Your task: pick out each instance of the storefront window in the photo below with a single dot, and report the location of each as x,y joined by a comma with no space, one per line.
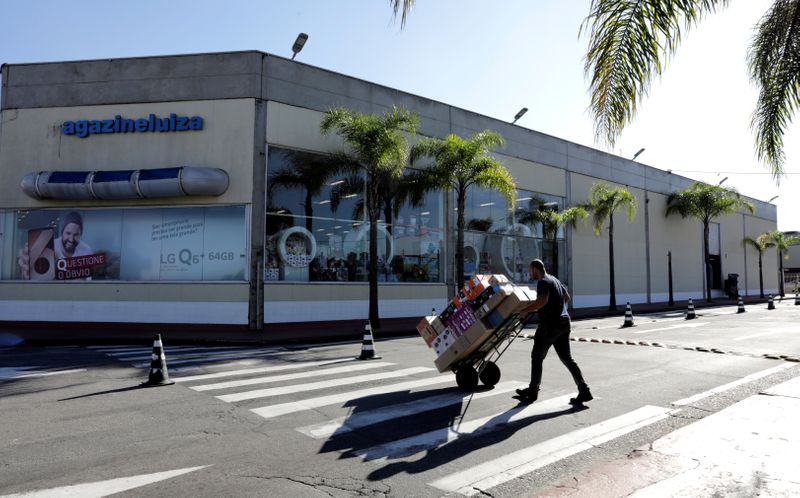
317,228
163,244
502,239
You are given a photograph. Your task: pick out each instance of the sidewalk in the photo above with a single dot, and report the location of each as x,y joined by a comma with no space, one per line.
751,448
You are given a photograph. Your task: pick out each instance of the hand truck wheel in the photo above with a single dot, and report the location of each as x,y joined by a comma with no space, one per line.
467,377
490,374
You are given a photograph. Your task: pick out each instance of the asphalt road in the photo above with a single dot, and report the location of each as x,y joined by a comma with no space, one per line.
311,421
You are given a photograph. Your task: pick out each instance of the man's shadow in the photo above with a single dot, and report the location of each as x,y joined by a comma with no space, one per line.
498,429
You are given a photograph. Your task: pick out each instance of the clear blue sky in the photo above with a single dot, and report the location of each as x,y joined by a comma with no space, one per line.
488,57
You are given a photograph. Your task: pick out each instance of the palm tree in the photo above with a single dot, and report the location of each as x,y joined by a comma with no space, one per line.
630,41
551,220
378,146
782,243
458,164
603,202
706,202
760,244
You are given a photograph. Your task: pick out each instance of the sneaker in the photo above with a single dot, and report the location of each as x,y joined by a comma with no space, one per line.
582,397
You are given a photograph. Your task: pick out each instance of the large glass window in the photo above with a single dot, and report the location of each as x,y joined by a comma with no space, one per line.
317,227
504,239
161,244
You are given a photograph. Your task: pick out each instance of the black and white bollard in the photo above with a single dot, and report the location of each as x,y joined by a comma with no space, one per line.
770,303
690,311
159,375
740,309
628,316
368,345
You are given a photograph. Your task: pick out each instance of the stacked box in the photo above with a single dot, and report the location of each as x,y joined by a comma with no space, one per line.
443,341
514,303
498,295
481,298
461,320
456,351
427,330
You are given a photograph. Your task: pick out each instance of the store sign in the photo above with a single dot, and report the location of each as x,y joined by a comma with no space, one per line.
119,124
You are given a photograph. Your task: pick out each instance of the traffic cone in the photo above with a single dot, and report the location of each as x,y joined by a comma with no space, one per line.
690,312
368,345
797,299
770,303
628,316
159,375
741,305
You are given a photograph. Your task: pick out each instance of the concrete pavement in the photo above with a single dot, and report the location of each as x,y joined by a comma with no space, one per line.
748,449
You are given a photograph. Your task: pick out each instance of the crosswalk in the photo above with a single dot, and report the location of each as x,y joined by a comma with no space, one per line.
347,404
330,393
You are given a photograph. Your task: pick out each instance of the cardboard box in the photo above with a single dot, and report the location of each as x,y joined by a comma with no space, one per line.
426,329
499,295
461,320
481,298
493,320
476,336
438,325
514,303
494,280
447,313
443,341
454,353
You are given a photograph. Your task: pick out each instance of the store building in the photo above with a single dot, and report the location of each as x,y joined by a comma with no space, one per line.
191,189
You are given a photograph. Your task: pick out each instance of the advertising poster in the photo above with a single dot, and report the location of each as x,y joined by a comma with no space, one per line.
163,244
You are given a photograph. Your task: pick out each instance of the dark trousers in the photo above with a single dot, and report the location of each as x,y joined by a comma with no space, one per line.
557,335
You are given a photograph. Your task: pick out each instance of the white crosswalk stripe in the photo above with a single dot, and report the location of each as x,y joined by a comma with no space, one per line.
360,420
294,376
479,478
248,371
313,386
272,411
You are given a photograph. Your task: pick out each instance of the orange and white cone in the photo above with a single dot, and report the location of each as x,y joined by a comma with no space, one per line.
690,311
628,316
368,345
159,375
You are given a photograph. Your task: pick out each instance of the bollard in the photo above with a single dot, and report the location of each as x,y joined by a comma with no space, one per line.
628,316
690,311
159,375
741,305
368,345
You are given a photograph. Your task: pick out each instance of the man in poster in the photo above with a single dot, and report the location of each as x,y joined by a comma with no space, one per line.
74,258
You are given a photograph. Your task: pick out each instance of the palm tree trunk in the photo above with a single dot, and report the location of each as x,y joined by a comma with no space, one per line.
612,304
373,211
760,277
309,206
780,273
460,240
707,262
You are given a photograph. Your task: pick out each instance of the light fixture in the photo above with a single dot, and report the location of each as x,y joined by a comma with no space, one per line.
320,229
722,181
298,44
772,199
637,154
520,114
337,226
349,196
524,199
550,204
487,204
336,183
327,201
280,211
424,213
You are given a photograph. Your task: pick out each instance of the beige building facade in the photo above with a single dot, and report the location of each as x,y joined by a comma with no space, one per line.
284,241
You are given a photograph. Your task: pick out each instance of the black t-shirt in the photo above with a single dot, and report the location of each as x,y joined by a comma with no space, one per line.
555,307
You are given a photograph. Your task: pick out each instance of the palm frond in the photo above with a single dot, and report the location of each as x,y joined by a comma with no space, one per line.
493,175
629,43
404,7
774,63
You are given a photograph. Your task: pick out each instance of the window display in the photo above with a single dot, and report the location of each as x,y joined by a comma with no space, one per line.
305,191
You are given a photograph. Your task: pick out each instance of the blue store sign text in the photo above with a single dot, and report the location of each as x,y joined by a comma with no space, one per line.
153,123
